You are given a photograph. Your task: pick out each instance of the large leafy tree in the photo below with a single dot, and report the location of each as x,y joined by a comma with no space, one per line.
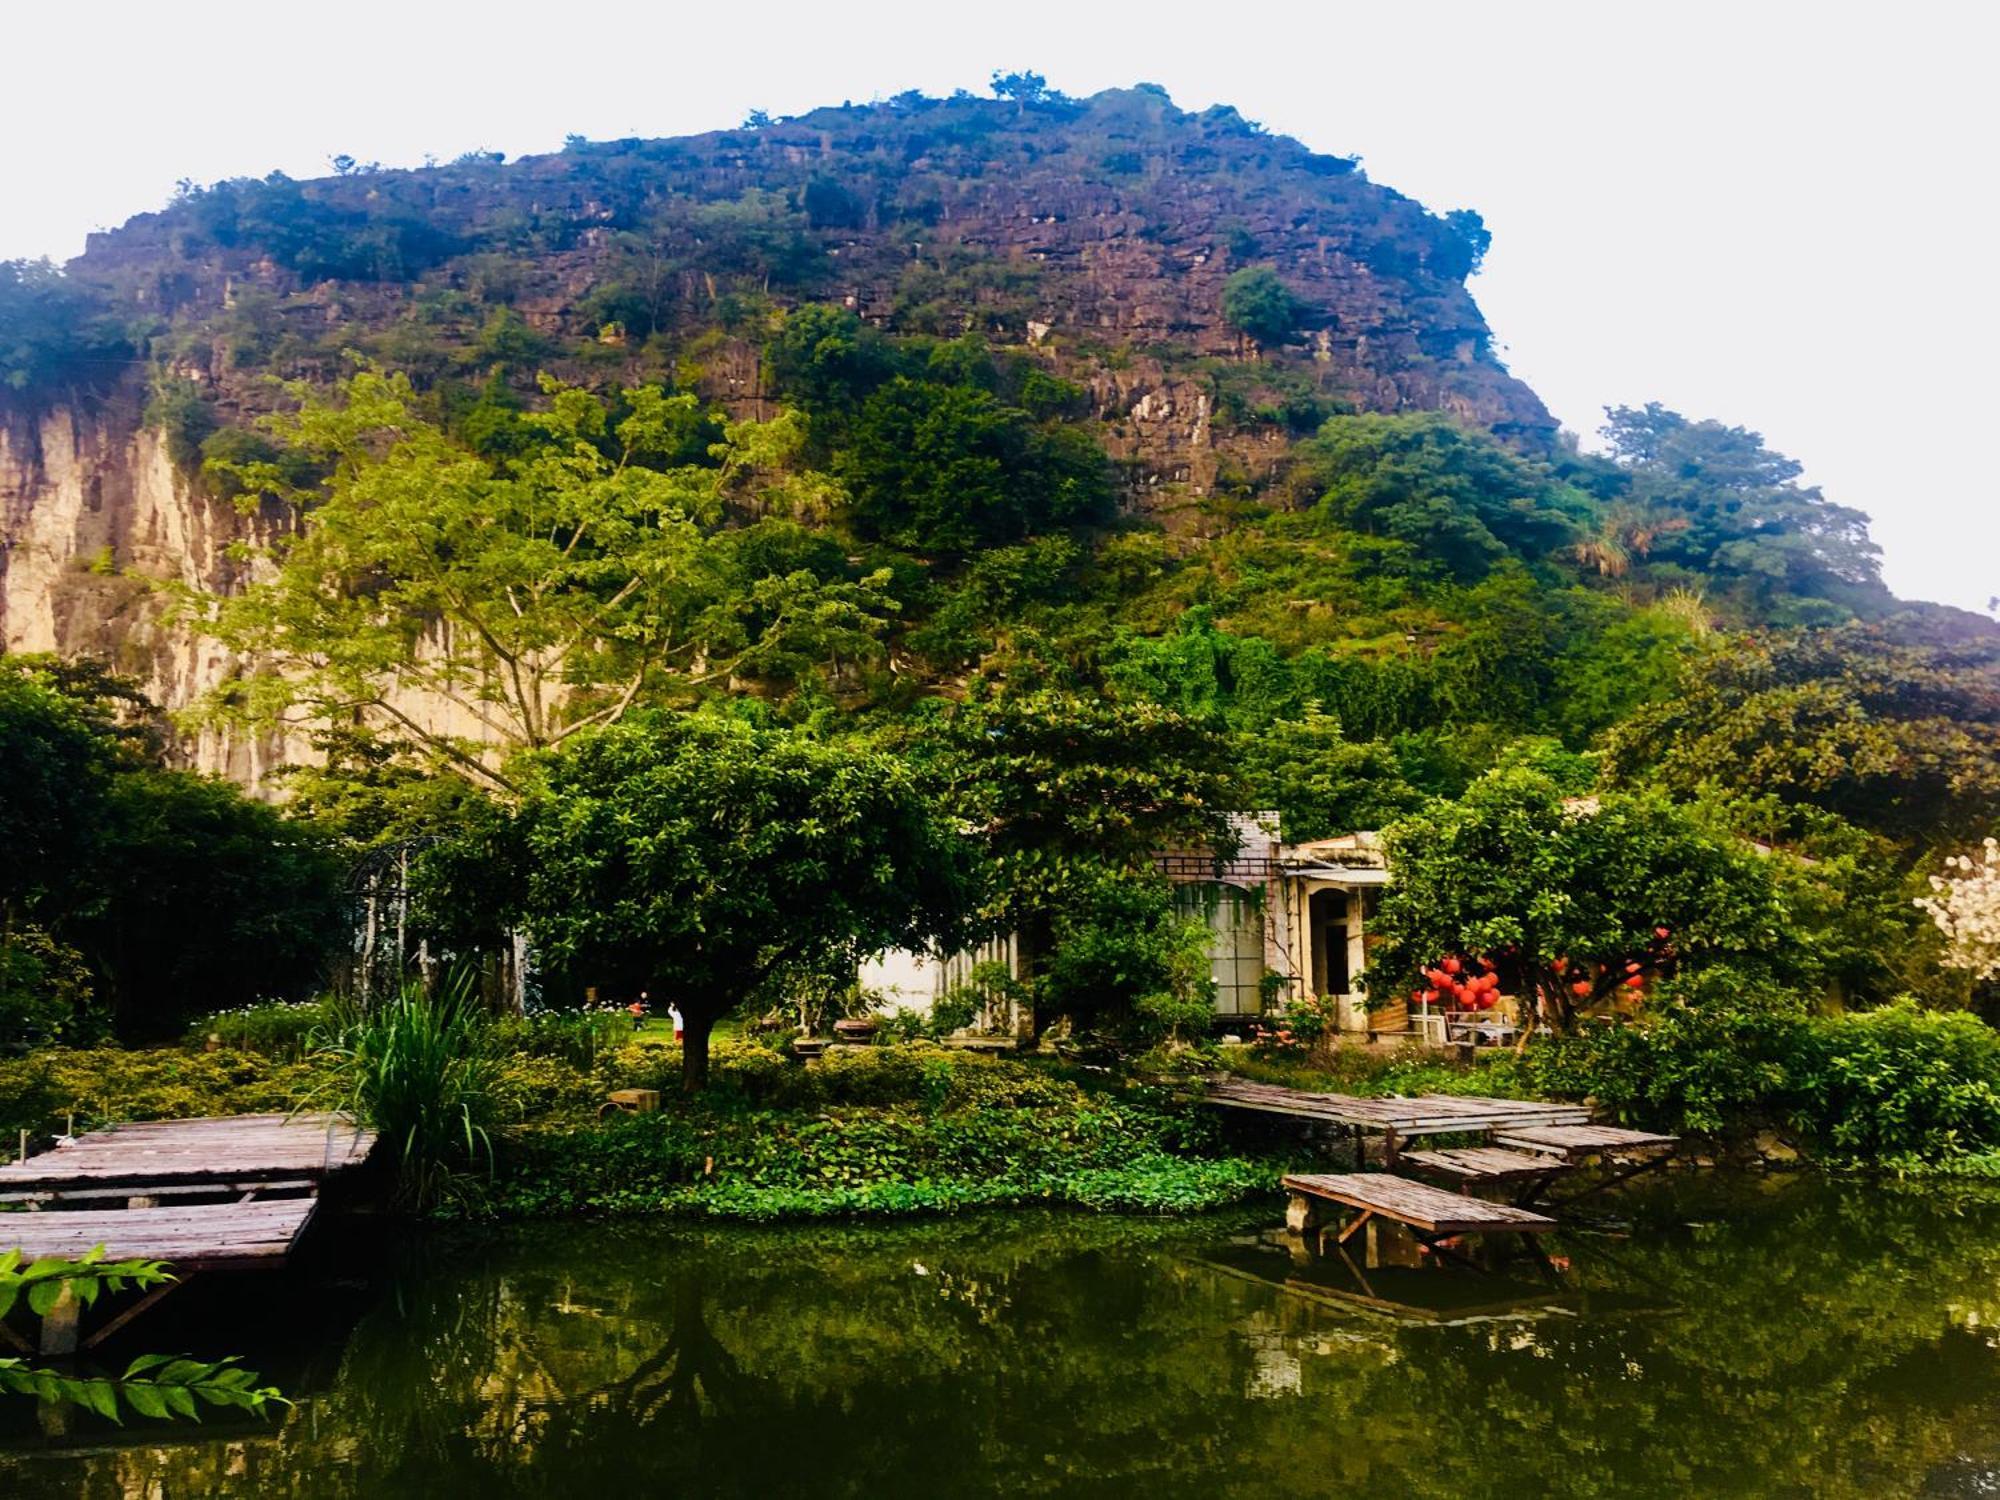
205,899
1456,500
1575,902
157,890
471,606
1073,796
713,861
1892,731
945,469
1714,499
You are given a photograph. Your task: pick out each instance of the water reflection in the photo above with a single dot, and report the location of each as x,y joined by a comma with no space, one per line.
1781,1337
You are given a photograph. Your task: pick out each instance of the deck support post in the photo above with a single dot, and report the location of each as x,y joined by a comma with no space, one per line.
1302,1213
59,1324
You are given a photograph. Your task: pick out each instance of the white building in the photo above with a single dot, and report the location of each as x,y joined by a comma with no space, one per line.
1288,921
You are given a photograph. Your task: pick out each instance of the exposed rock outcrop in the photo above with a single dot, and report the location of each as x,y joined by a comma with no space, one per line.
1097,234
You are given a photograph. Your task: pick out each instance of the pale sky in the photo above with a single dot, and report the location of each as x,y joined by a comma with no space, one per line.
1777,214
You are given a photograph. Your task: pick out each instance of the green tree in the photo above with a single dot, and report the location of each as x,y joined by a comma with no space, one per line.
1890,729
712,861
470,607
1456,500
1577,901
1723,504
1257,304
55,331
1321,783
1074,796
945,469
158,891
205,900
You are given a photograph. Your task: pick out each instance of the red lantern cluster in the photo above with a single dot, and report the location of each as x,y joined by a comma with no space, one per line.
1450,980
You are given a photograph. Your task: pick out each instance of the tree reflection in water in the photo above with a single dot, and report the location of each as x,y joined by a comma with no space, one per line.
1781,1336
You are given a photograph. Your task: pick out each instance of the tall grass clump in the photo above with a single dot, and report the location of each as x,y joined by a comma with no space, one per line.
422,1070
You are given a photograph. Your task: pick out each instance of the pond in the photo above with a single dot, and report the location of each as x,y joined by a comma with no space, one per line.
1704,1336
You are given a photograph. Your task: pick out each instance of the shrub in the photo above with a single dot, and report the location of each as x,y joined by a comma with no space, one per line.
423,1071
1255,302
104,1085
275,1028
1896,1085
1898,1082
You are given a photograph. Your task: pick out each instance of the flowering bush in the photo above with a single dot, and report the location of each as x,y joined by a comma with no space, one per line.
1966,910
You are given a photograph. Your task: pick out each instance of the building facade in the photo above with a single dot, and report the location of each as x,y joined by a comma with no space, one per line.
1286,922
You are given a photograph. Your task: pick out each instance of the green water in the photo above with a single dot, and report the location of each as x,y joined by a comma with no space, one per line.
1783,1336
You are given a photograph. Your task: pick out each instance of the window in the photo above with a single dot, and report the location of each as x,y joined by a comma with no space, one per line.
1235,947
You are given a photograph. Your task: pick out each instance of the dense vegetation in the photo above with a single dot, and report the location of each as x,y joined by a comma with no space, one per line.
134,895
712,587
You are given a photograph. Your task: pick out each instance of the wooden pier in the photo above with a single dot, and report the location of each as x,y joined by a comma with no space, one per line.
1430,1211
228,1194
181,1158
1396,1120
1525,1145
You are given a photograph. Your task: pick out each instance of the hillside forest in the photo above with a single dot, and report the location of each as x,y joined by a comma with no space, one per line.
718,559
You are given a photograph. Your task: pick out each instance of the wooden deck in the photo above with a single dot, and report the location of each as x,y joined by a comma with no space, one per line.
230,1151
1425,1114
1426,1209
1574,1143
190,1237
1488,1163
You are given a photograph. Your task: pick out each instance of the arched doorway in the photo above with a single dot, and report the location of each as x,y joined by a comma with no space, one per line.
1329,913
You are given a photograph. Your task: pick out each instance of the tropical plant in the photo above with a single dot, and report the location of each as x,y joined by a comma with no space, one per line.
421,1071
153,1385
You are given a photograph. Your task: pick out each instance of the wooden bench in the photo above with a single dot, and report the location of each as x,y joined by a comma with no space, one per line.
1428,1212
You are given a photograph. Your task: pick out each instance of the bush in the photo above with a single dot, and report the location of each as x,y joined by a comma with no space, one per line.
1898,1083
1257,303
275,1028
105,1085
1896,1086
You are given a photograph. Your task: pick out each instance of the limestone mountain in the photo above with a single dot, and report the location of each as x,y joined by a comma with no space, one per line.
1304,434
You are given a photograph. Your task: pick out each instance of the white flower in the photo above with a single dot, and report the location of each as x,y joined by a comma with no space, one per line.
1967,910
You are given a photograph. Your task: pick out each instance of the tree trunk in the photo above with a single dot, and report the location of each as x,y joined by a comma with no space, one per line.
694,1050
1033,938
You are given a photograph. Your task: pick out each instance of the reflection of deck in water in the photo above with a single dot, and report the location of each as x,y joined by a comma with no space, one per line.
1413,1293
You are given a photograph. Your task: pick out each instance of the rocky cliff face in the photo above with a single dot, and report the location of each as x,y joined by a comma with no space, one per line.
1097,234
96,525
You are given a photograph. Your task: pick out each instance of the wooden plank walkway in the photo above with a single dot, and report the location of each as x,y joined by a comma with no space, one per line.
229,1150
1488,1163
191,1237
1425,1114
1573,1143
1429,1210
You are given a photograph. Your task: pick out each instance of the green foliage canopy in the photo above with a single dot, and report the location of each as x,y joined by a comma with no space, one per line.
1572,897
1256,303
712,861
